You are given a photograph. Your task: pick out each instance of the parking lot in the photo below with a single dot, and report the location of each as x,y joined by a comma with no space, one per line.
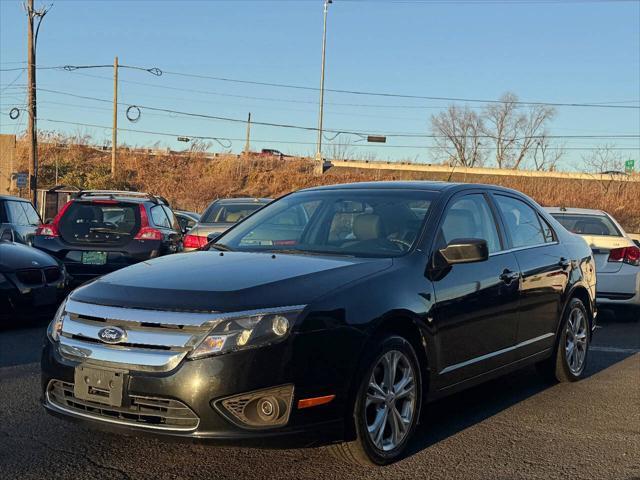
511,428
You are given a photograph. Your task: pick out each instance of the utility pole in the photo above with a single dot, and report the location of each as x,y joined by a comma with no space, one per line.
31,88
114,134
319,160
247,146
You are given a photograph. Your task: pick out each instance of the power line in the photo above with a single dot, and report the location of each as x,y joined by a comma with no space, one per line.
159,72
314,129
204,137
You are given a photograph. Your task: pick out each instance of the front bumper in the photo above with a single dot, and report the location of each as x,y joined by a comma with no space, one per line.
199,384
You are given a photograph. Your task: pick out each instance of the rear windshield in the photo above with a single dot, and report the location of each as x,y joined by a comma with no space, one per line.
100,222
597,225
229,212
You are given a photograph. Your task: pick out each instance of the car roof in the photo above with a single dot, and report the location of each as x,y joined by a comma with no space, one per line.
16,199
576,211
244,200
426,185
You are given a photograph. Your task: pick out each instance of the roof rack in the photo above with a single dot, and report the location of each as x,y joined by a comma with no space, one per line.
119,193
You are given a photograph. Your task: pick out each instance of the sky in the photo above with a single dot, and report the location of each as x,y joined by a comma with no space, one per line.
562,51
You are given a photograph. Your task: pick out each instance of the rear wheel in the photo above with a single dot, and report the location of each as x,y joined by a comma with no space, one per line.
386,407
572,348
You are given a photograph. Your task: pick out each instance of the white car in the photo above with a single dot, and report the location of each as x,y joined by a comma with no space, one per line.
617,256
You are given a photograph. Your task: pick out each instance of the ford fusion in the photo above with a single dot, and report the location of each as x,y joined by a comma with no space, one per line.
328,317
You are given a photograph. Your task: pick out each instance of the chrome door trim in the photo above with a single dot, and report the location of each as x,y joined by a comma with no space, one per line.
487,356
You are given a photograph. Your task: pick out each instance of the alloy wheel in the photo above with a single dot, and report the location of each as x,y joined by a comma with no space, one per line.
391,400
576,341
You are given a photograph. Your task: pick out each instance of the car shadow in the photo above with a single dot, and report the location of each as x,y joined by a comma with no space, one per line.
448,416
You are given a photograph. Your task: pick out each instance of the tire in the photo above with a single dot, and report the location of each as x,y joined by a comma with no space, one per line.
569,361
373,398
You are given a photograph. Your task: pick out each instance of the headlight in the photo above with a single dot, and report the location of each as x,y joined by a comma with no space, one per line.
55,327
250,330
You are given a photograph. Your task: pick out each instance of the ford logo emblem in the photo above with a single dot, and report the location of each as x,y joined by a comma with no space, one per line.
112,335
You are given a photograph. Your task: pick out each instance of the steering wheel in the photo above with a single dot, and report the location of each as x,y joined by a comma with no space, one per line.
403,244
110,225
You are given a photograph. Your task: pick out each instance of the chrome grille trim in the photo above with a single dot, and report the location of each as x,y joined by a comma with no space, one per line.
174,339
159,317
141,359
145,412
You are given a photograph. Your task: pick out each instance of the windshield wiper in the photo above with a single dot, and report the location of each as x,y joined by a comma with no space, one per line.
219,246
106,230
294,251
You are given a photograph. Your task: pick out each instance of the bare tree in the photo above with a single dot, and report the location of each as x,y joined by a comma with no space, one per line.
608,163
514,131
342,149
458,133
546,156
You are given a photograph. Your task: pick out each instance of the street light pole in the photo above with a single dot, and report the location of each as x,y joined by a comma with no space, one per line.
319,158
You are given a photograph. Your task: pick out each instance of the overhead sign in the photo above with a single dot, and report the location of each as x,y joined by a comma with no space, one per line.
21,179
630,166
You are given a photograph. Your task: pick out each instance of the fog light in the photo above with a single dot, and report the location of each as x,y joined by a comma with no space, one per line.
259,409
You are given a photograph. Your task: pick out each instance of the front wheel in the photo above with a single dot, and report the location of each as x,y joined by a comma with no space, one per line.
572,349
387,405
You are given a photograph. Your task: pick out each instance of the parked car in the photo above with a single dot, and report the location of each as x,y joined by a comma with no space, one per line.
18,219
218,217
617,256
32,283
392,294
99,231
186,220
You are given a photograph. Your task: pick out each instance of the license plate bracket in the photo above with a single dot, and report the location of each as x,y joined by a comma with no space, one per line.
99,385
94,258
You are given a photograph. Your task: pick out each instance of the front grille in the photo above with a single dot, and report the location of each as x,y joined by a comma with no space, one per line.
52,274
30,276
149,412
154,340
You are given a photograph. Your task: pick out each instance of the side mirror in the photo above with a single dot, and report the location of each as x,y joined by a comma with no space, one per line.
465,250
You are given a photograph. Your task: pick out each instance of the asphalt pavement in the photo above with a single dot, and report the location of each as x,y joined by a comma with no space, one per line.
517,427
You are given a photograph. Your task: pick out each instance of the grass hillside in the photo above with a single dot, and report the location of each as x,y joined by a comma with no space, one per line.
192,181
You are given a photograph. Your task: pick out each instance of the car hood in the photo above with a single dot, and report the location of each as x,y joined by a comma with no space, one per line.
16,256
229,281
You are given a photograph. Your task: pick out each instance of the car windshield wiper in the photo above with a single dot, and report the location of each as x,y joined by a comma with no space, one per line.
219,246
294,251
106,230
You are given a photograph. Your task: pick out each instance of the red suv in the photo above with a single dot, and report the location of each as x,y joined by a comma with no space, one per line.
101,231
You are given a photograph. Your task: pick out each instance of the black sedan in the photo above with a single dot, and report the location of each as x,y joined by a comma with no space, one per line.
32,283
390,295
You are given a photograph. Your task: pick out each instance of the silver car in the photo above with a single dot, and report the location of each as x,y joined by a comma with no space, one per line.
617,256
220,216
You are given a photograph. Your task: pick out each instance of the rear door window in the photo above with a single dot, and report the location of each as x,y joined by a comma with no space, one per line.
100,222
522,222
173,221
159,217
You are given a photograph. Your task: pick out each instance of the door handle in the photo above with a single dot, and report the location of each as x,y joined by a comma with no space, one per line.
508,276
564,263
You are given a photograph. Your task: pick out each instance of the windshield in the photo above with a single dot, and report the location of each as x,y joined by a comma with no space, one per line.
229,212
345,222
597,225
